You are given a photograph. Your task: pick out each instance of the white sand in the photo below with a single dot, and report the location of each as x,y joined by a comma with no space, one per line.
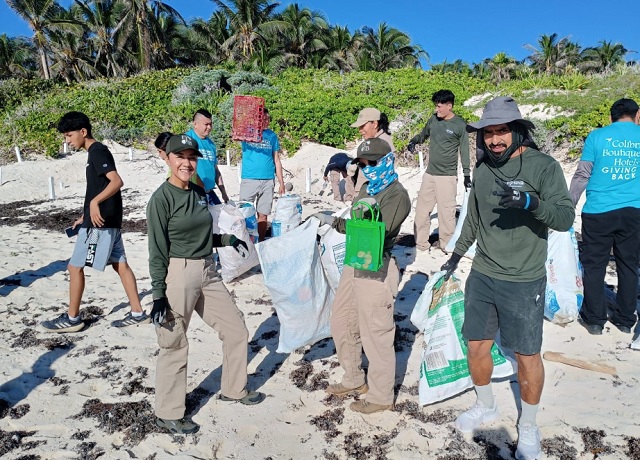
56,383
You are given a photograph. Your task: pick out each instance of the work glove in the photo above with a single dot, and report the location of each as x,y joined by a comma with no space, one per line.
467,182
239,245
510,198
361,209
411,146
450,265
325,219
159,311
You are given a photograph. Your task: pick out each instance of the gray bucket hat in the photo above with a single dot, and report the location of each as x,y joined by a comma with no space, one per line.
498,111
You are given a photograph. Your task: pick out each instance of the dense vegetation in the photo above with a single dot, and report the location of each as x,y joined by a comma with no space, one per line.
137,68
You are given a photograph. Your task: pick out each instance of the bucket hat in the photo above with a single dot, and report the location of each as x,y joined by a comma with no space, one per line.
498,111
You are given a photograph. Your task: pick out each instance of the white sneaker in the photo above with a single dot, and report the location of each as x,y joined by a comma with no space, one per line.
528,442
635,345
476,416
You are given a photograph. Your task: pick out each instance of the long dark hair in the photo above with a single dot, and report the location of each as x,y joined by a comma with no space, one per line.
383,123
162,139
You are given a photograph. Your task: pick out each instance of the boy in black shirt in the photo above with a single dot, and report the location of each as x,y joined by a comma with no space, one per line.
99,239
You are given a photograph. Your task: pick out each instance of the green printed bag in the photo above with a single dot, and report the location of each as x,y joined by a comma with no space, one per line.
365,239
439,313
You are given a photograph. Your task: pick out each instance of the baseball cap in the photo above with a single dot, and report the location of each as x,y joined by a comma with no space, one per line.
365,115
372,150
182,142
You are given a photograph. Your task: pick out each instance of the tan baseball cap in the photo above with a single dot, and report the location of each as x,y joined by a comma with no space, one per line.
366,115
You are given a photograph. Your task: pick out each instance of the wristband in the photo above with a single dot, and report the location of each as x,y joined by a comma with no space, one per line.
526,205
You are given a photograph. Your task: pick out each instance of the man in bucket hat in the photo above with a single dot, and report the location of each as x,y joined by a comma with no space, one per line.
610,216
517,194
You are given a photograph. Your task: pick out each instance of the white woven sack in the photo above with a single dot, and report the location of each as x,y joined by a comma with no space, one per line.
451,245
298,287
228,219
333,246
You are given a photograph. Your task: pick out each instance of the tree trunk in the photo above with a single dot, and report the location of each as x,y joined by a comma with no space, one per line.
44,63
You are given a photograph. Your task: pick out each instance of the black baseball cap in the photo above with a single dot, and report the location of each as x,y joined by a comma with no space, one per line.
181,142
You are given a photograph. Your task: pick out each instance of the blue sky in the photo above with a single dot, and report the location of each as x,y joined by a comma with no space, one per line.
462,29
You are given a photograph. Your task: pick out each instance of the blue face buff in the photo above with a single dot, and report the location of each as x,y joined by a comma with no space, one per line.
381,175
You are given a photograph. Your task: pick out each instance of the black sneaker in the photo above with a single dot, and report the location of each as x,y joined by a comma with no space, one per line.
593,329
251,398
182,426
623,329
63,324
131,320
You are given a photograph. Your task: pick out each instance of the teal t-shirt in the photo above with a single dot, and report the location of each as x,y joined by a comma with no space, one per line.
257,157
614,151
206,168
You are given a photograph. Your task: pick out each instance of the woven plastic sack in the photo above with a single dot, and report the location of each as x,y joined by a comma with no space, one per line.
451,245
299,290
365,239
565,292
248,118
333,245
439,314
228,219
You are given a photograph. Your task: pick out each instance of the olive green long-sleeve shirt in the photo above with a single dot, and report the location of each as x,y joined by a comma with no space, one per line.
447,137
179,225
512,243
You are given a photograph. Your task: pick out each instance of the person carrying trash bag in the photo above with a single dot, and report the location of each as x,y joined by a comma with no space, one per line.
517,194
184,280
362,312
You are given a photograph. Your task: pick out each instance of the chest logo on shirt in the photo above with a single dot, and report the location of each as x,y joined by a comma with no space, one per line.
449,131
202,202
515,183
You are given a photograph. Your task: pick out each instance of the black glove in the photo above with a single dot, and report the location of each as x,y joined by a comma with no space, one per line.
239,245
450,265
411,146
511,198
159,311
467,181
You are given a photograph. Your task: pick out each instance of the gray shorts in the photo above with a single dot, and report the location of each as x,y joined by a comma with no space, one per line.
97,247
259,191
516,309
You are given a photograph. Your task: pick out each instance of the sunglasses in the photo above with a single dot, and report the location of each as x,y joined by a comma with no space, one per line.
370,163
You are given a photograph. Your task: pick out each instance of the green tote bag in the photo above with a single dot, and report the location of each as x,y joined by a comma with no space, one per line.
365,239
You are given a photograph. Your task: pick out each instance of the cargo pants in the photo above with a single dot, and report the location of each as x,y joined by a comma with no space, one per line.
440,190
194,285
362,319
349,187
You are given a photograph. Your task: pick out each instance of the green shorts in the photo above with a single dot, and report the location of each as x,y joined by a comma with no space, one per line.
514,309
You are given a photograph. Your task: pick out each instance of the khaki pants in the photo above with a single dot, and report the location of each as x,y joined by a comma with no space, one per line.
362,318
440,190
195,285
349,188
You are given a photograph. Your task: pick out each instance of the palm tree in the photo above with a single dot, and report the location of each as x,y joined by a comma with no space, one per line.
42,16
552,53
604,57
501,66
457,66
246,19
205,39
342,49
388,48
139,28
300,34
17,57
101,18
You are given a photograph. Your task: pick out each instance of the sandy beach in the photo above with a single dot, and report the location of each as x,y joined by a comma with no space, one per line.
90,395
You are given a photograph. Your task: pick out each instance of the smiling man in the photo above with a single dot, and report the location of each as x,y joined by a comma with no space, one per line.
448,136
517,194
